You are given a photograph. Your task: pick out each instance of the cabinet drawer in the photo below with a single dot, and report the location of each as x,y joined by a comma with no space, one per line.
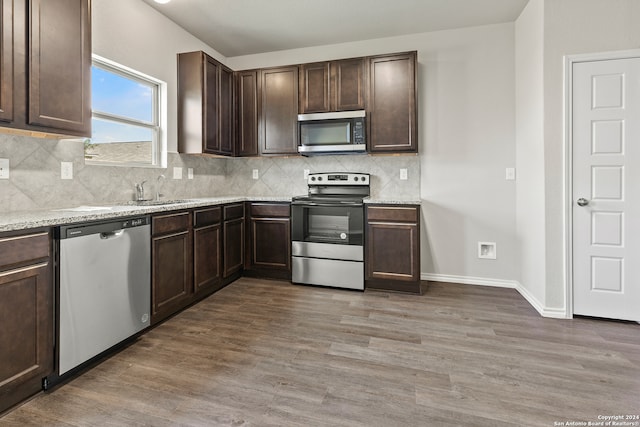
270,210
393,213
21,249
162,224
209,216
233,211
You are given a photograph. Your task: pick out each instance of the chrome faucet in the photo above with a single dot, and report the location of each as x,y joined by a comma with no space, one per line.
158,195
140,191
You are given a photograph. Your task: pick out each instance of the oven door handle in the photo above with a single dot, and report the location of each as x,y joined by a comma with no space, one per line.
328,205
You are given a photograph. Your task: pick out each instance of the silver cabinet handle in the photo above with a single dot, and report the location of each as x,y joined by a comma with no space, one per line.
582,202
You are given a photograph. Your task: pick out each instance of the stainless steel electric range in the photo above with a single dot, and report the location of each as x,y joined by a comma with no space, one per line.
327,231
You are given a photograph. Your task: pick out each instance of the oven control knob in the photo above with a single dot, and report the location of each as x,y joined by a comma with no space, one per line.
343,236
313,178
355,178
319,178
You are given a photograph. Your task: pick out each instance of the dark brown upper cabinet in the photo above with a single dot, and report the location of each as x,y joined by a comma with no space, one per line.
247,113
392,104
40,39
332,86
278,110
205,105
314,88
6,61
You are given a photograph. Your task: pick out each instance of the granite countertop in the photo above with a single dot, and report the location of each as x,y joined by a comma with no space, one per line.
11,221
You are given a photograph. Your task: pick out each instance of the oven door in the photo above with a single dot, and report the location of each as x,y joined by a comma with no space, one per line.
327,222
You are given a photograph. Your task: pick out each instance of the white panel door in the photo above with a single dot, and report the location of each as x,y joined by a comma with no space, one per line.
606,189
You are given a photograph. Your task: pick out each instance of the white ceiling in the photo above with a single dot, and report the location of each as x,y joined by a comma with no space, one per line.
243,27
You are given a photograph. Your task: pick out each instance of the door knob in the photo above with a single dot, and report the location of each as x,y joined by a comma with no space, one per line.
582,202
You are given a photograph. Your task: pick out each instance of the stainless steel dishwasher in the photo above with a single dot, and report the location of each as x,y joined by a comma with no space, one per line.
104,287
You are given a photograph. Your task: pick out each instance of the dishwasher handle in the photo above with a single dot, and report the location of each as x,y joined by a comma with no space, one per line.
111,234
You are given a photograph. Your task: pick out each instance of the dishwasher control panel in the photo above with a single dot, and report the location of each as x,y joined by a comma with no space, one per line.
77,230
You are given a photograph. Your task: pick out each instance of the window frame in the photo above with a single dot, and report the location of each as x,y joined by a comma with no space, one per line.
157,126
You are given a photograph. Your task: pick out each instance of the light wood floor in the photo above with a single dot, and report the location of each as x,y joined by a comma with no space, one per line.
271,353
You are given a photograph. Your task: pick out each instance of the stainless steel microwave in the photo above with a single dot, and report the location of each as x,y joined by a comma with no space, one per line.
332,133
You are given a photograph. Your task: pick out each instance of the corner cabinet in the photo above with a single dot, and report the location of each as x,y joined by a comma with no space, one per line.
233,240
392,118
247,113
392,254
278,110
205,105
26,315
39,39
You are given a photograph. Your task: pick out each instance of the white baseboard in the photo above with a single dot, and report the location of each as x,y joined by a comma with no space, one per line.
556,313
469,280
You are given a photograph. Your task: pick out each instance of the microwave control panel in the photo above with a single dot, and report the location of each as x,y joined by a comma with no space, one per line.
358,131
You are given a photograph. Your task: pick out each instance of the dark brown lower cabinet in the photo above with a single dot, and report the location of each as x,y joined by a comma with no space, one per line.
207,256
233,239
26,315
172,264
269,240
392,258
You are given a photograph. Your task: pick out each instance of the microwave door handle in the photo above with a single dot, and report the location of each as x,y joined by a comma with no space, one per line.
349,137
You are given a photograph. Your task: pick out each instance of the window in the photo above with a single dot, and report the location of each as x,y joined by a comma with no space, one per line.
126,117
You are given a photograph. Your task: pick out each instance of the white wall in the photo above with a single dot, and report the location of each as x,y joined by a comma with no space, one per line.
572,27
466,140
530,202
136,35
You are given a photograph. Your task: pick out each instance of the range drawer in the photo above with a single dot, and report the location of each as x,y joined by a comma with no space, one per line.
162,224
23,248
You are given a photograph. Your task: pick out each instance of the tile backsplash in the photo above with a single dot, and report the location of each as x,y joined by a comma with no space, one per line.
35,181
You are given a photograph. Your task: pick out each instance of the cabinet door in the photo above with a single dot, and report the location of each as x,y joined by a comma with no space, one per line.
247,98
6,60
211,116
314,88
26,340
225,107
391,108
233,246
60,65
206,259
271,243
348,84
391,251
279,110
171,274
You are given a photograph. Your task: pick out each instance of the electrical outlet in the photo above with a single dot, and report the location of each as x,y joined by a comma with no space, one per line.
306,174
190,173
4,168
403,174
177,172
66,170
255,174
510,174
